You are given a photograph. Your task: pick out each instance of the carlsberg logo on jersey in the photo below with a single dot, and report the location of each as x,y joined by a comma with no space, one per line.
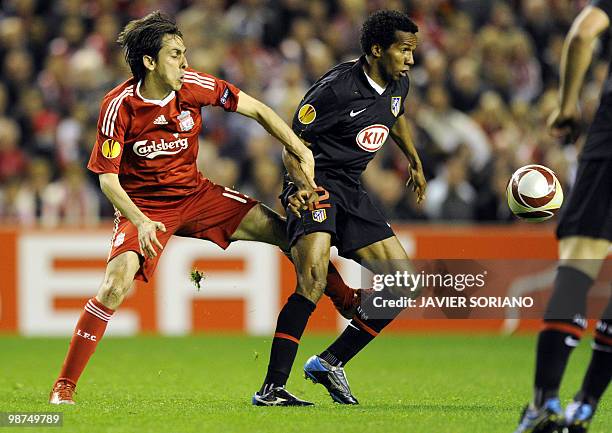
152,150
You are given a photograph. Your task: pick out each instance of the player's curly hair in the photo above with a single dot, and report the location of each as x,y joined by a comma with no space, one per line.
143,37
380,28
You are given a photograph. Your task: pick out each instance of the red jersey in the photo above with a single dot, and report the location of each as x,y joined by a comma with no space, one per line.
153,144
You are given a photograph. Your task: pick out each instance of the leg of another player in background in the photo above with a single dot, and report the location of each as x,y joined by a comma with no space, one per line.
262,224
598,375
92,323
383,257
564,321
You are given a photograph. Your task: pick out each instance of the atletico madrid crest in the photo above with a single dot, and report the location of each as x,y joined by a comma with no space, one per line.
396,103
319,215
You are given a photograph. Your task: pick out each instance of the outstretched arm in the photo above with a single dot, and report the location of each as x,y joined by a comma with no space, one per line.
147,238
401,135
575,60
305,195
292,164
266,117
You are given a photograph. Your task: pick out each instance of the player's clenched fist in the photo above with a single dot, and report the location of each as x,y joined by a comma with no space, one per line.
147,238
564,125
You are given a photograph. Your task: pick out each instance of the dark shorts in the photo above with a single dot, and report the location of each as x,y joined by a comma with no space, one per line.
213,213
344,211
588,209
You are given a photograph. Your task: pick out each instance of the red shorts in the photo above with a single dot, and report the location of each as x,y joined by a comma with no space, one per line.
213,212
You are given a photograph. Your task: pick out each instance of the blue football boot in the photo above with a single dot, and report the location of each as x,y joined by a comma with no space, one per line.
332,378
547,419
578,417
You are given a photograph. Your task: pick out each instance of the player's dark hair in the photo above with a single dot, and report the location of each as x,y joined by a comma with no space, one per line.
143,37
380,28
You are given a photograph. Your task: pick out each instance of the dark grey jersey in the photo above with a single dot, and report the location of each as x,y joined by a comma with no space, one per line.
346,121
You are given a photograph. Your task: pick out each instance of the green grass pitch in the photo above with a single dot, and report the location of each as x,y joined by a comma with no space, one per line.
415,384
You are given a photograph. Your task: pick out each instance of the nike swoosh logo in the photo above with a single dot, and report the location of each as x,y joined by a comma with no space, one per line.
354,113
571,342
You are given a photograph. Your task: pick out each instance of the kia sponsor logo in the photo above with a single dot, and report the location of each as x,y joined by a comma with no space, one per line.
153,149
371,138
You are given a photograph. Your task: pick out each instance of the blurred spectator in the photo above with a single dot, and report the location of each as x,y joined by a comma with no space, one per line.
450,128
17,71
12,209
491,203
483,85
13,161
203,22
4,100
38,123
70,200
538,22
450,197
69,133
286,92
267,181
526,72
27,198
246,19
389,192
465,86
459,40
436,66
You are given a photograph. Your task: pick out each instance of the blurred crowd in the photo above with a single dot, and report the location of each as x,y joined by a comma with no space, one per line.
483,85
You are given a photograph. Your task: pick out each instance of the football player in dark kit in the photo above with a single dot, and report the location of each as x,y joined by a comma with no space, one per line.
585,235
345,117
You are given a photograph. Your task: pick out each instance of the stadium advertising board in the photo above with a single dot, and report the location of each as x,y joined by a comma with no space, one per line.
49,275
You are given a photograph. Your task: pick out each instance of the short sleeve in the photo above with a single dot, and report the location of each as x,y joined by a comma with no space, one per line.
604,5
316,114
210,90
108,149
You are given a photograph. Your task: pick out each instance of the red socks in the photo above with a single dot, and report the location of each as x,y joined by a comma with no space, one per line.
341,295
87,333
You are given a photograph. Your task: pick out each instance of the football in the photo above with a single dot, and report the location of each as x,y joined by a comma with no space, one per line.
534,193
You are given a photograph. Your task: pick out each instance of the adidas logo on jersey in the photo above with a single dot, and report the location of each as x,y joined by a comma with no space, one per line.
161,120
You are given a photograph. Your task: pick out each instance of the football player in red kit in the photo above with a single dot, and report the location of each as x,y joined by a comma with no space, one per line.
145,155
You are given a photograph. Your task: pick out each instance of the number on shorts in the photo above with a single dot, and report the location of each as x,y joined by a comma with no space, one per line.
323,196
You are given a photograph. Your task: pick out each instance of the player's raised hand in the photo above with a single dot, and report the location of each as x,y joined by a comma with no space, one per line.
301,201
147,238
564,125
416,180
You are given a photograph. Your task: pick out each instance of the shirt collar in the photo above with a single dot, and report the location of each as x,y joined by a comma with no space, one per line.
361,82
361,79
160,102
377,88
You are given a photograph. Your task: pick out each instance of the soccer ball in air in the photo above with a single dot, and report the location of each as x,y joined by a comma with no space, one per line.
534,193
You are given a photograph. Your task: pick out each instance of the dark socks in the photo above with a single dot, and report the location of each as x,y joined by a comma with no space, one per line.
290,326
360,331
599,373
564,323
